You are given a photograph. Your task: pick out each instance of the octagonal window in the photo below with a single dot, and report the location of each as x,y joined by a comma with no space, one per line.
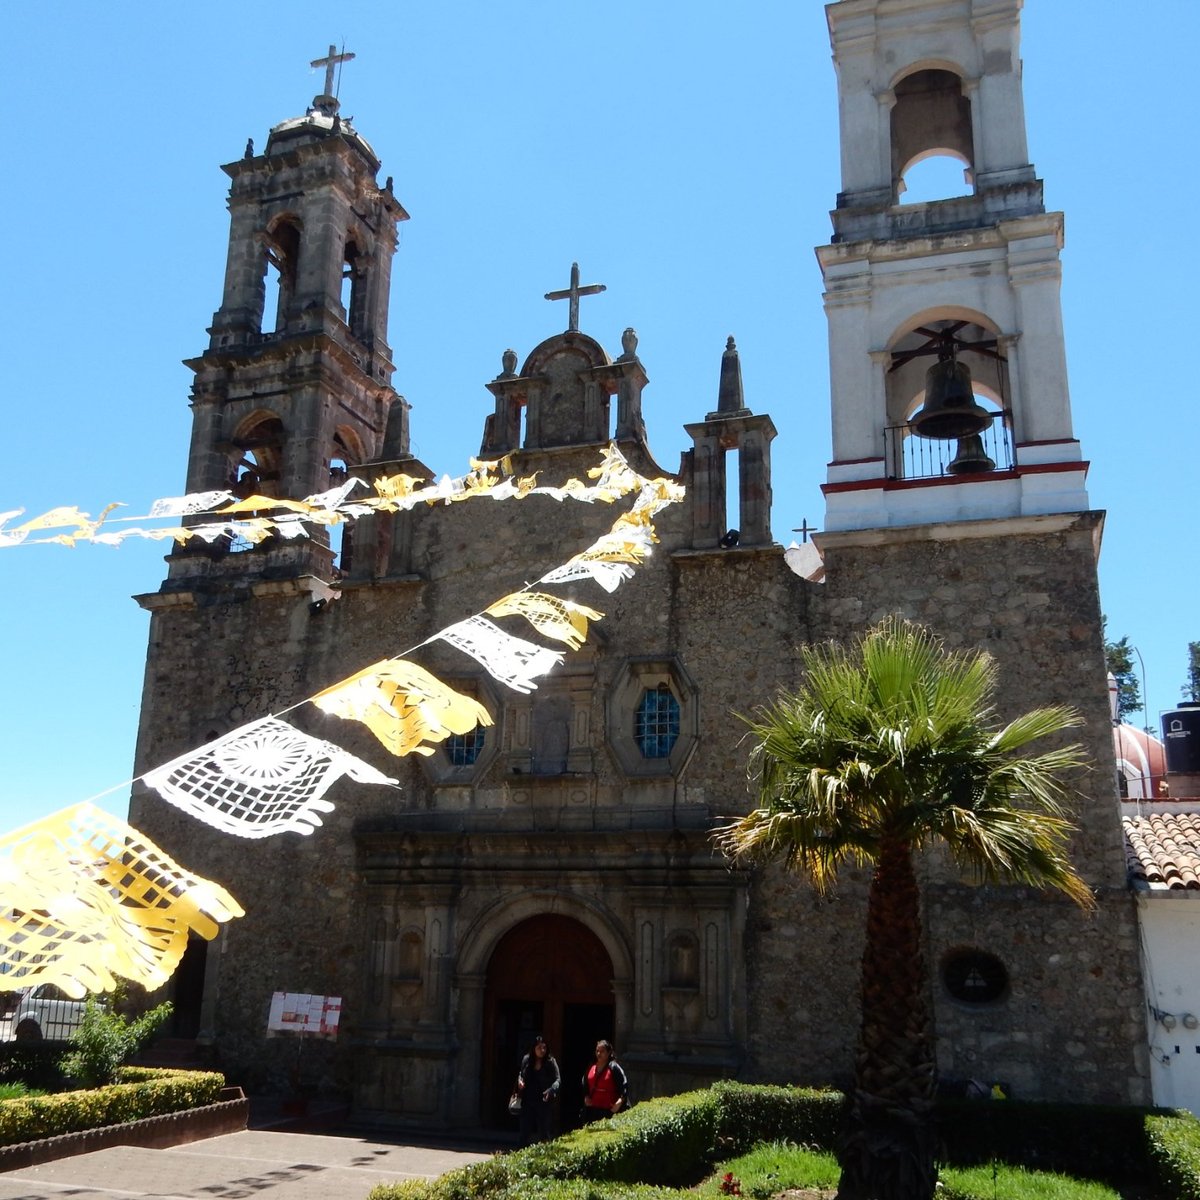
656,722
463,748
462,759
653,717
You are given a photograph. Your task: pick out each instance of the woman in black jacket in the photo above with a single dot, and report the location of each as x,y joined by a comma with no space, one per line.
537,1085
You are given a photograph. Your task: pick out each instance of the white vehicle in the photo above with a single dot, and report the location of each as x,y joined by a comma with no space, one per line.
45,1013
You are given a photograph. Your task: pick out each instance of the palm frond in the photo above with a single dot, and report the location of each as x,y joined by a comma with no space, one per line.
1035,725
1001,844
895,736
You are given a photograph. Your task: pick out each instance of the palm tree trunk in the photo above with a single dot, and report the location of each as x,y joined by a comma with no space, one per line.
889,1151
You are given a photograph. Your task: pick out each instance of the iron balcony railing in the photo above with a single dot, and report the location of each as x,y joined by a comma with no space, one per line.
908,456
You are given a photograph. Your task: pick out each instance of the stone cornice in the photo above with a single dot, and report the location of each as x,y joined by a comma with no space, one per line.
998,236
957,531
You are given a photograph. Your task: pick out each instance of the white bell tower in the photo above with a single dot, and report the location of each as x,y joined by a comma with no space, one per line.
971,281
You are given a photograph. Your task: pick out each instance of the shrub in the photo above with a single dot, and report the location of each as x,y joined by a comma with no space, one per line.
139,1092
762,1113
676,1139
662,1141
105,1040
671,1140
14,1091
1173,1146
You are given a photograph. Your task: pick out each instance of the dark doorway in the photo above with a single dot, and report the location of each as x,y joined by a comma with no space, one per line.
548,975
187,989
516,1023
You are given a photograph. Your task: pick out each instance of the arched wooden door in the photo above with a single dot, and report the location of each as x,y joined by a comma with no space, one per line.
549,975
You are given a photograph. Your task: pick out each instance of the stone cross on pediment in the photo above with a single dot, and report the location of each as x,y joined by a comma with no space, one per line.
572,294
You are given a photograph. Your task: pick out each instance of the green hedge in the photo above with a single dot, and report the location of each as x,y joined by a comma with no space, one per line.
669,1141
676,1139
664,1142
142,1092
1173,1144
753,1113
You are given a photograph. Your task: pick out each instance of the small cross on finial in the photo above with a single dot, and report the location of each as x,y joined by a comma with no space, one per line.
573,293
331,60
804,529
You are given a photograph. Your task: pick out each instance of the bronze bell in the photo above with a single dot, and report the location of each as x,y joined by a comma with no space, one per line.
950,410
971,457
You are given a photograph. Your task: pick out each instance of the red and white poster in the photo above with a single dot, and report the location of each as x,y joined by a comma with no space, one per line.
301,1012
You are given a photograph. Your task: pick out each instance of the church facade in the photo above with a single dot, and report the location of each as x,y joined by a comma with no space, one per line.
554,871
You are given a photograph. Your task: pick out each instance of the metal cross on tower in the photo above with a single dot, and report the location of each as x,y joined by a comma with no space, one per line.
331,60
573,293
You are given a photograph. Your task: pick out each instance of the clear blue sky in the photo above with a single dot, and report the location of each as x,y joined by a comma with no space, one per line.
685,155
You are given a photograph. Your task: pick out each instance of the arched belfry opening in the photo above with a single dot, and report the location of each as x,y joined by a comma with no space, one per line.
257,457
930,124
282,265
947,394
551,975
346,454
354,288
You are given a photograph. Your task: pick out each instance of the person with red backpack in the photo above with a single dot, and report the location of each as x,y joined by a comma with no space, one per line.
605,1086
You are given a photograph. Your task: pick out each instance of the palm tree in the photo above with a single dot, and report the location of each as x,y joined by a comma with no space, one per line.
889,746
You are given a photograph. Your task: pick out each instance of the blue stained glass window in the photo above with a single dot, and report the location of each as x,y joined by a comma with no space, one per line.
463,748
656,722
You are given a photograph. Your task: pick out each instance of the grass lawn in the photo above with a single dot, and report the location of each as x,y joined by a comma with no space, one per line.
778,1167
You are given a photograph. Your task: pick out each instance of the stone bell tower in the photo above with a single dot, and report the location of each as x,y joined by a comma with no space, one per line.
967,285
956,497
294,390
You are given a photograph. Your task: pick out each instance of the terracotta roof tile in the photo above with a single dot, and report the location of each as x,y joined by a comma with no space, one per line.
1162,851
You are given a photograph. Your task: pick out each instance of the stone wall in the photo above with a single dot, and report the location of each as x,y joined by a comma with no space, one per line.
455,859
1069,1025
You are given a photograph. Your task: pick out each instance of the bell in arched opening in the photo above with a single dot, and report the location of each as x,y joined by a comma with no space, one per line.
971,457
950,409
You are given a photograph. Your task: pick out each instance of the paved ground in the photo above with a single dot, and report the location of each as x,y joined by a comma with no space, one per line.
272,1164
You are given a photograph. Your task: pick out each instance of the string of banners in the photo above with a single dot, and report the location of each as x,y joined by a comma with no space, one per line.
255,518
85,898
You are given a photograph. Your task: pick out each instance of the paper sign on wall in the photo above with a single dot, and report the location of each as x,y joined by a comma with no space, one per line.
300,1012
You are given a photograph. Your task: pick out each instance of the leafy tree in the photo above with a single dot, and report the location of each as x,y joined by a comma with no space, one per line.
1191,689
1118,657
888,746
105,1040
